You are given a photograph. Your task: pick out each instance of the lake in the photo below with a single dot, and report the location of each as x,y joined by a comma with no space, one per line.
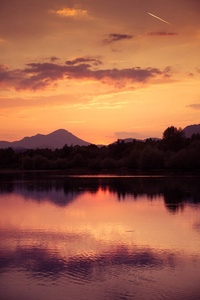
99,237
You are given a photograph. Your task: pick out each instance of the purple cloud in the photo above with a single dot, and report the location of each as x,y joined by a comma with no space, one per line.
195,106
10,77
79,60
114,37
38,76
54,58
190,74
162,33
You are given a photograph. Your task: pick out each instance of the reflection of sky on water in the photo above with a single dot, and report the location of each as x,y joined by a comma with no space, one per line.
42,207
100,239
63,190
120,273
39,261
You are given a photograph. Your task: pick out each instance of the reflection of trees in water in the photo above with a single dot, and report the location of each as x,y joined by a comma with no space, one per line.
58,191
179,191
6,187
175,190
63,190
174,198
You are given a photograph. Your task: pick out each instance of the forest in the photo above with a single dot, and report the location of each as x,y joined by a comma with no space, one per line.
173,152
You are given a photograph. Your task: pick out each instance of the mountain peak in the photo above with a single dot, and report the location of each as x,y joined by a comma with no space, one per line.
56,139
61,130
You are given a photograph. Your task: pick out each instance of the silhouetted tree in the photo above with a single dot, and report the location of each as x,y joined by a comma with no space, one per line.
9,158
184,159
151,159
173,138
108,163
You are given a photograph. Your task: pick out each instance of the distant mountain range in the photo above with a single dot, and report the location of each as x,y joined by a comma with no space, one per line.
191,129
56,139
61,137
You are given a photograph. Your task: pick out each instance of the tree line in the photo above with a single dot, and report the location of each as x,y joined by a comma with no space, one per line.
173,151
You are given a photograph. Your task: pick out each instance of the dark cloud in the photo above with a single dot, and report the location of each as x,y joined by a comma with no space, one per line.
195,106
79,60
54,58
38,76
10,77
162,33
114,37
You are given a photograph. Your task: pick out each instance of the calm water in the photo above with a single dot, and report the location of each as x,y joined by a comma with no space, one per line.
99,238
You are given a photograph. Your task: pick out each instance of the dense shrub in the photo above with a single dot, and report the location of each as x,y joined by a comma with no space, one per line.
108,163
151,159
184,159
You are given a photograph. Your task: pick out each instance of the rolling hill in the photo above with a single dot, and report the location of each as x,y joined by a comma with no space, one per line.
56,139
191,129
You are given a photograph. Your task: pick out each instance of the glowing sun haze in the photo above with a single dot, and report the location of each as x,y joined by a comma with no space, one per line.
100,69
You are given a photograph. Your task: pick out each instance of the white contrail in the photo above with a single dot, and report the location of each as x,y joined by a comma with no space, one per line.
159,18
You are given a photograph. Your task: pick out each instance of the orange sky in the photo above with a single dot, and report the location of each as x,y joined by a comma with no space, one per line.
100,69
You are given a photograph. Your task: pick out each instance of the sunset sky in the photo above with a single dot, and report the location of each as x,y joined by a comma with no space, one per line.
101,69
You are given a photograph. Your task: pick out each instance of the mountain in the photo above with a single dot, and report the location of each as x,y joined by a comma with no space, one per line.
191,129
56,139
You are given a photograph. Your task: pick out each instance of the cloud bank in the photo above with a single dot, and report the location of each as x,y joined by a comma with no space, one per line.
38,76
